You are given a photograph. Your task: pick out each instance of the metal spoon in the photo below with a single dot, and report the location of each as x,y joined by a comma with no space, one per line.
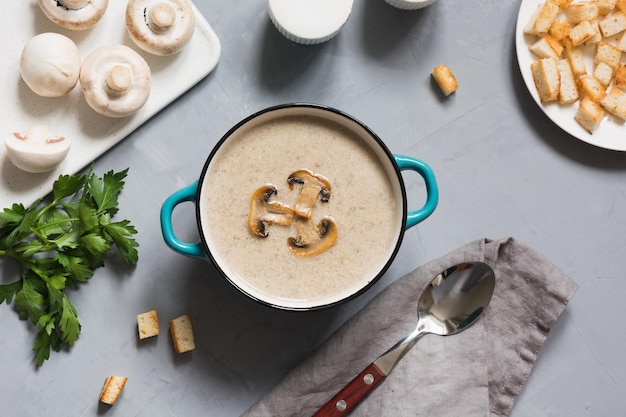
452,301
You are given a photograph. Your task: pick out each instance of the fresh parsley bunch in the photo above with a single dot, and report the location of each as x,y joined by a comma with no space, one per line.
57,245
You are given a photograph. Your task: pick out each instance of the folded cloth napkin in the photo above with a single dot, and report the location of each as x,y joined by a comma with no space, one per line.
479,372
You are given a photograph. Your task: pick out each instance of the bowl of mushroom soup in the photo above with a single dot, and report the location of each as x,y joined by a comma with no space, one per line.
300,206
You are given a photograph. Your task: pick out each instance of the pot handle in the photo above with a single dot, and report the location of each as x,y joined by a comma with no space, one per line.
432,192
194,250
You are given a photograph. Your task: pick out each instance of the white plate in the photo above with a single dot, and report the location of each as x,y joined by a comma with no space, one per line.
70,116
611,134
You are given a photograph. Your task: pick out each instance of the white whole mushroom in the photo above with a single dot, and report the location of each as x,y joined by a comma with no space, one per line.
115,80
74,14
36,151
160,27
50,64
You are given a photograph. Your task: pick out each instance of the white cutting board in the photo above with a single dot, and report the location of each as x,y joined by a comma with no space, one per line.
70,116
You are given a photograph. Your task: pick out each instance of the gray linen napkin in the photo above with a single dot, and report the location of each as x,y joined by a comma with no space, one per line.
479,372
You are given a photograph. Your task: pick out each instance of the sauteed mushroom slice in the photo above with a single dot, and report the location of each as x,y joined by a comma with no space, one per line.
115,80
264,212
160,27
74,14
313,186
312,239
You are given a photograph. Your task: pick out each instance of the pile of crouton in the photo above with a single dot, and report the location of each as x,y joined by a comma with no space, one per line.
564,29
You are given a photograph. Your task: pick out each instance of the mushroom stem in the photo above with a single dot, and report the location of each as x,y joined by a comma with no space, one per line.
313,185
119,78
161,17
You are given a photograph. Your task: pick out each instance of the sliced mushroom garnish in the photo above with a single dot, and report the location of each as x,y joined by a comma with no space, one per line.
313,186
50,64
115,80
312,239
36,150
264,212
160,27
74,14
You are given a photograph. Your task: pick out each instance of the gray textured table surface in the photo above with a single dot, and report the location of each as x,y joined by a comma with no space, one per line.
503,169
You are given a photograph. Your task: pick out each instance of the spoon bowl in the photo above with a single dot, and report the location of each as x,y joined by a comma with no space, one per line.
452,301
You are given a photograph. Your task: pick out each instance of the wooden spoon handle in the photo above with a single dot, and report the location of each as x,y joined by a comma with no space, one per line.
352,394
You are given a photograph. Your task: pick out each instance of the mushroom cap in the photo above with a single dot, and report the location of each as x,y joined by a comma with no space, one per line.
36,151
115,80
74,14
50,64
160,27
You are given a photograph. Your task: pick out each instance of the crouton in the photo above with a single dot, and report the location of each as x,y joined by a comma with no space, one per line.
583,11
562,3
568,91
619,80
605,52
445,79
182,334
547,79
589,114
112,389
542,19
621,44
615,103
547,47
595,39
613,24
589,86
606,6
603,72
148,324
560,29
621,5
576,59
582,32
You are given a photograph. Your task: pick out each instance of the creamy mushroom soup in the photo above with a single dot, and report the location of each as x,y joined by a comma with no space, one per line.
364,203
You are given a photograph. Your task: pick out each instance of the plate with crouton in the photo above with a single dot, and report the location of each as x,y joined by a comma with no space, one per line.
572,56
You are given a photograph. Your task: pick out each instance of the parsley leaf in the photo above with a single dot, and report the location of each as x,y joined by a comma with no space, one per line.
58,243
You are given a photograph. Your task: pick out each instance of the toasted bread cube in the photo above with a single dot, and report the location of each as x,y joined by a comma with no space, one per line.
620,77
562,3
605,52
603,72
615,103
621,44
568,91
606,6
148,324
182,334
547,79
621,5
595,38
579,12
589,86
445,79
613,24
542,19
576,58
589,114
582,32
560,29
112,389
546,47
